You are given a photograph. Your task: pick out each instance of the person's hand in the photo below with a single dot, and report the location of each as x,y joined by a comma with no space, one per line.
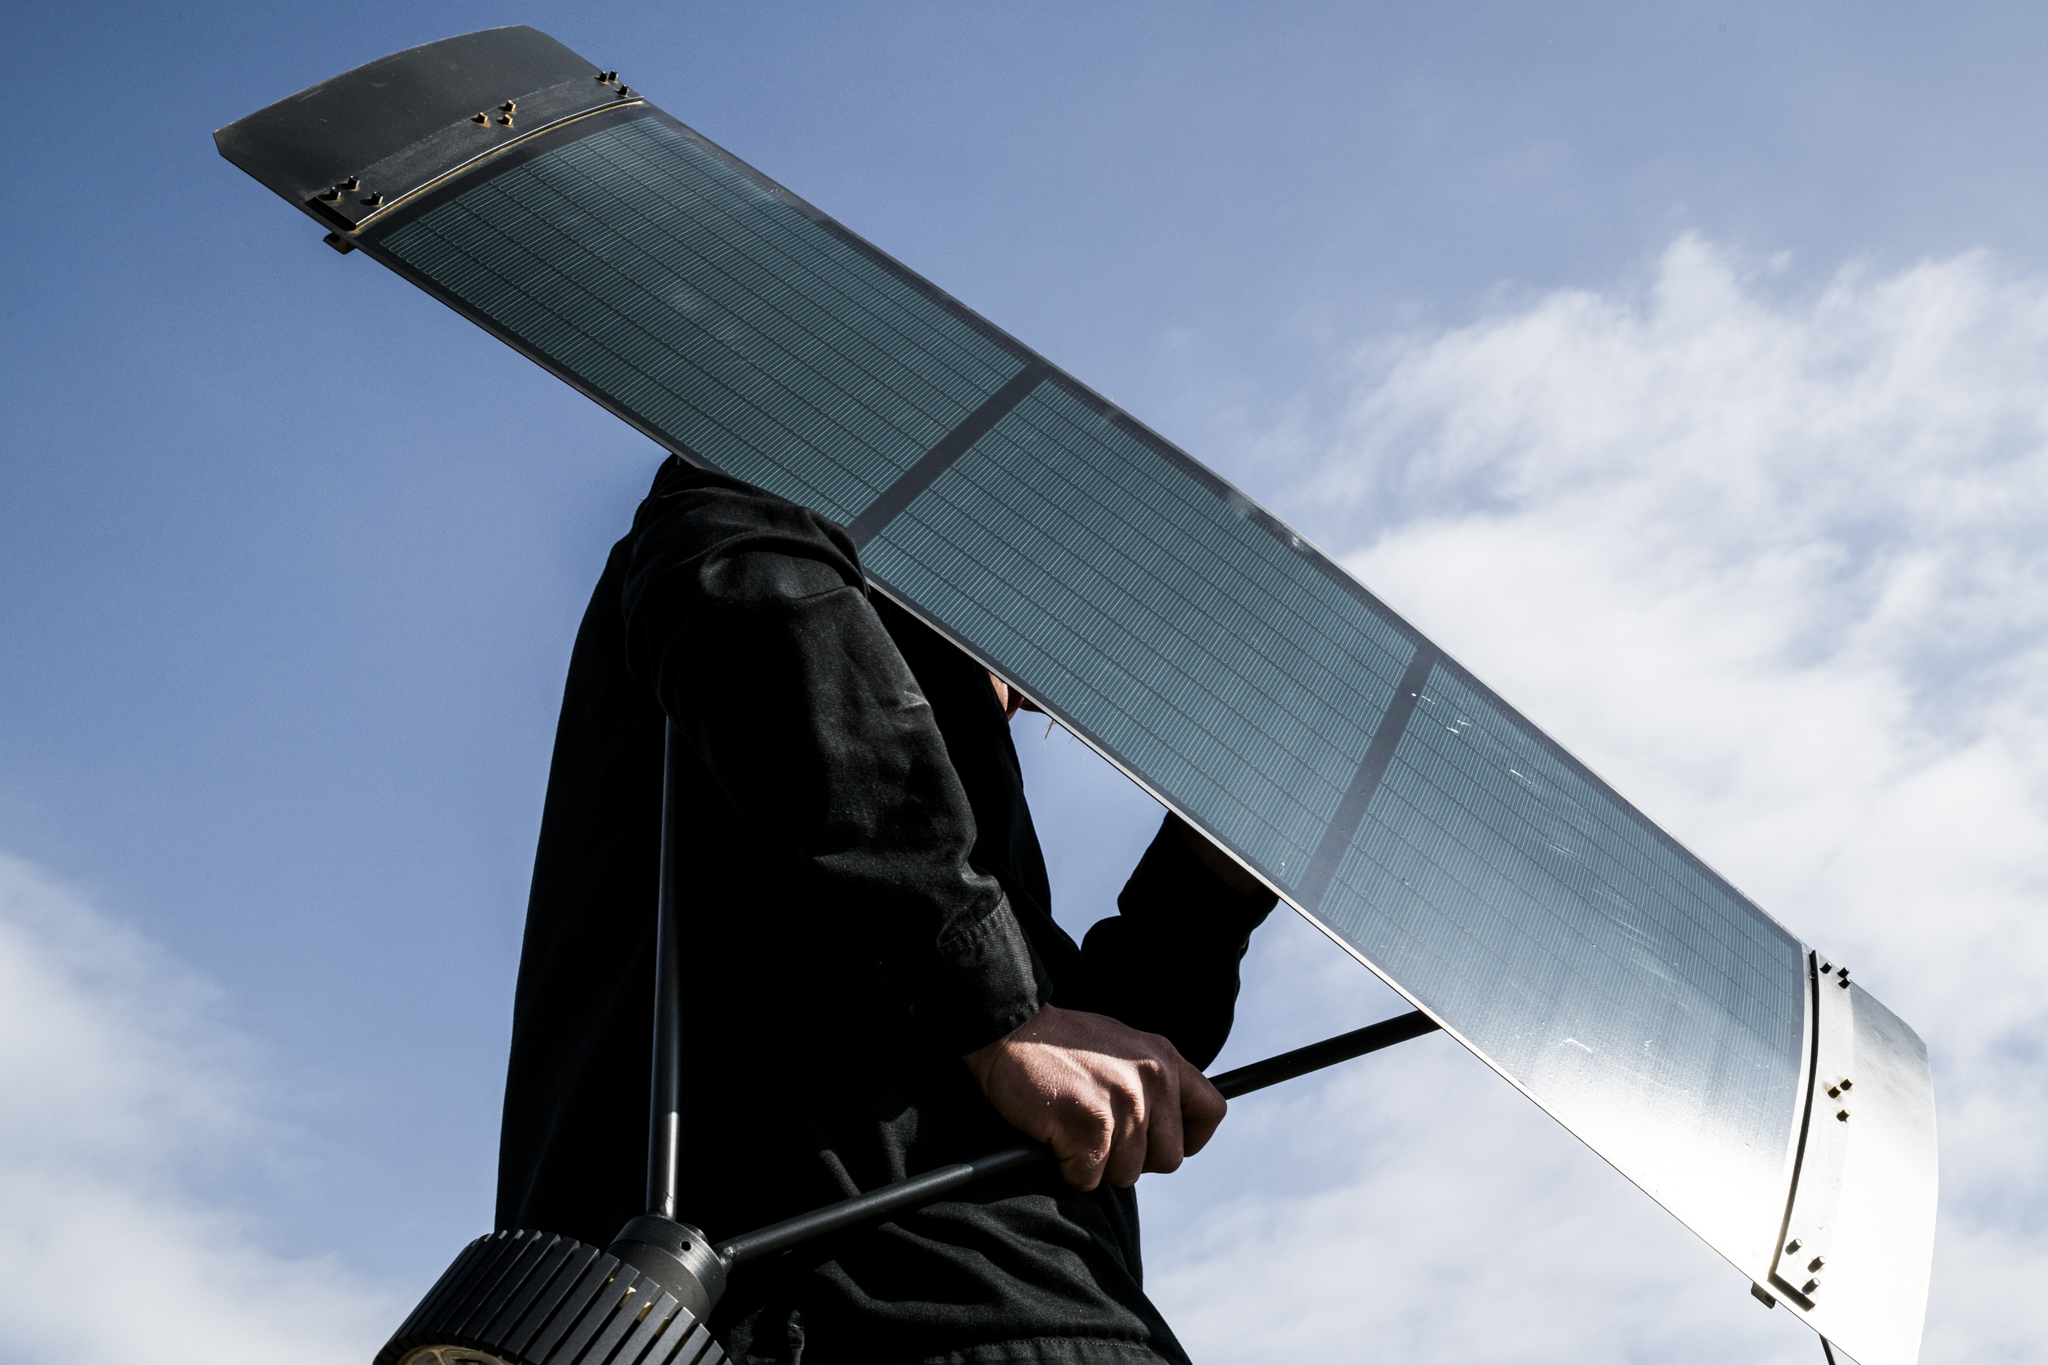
1112,1102
1010,699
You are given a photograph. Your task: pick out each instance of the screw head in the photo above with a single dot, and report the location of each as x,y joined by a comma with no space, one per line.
510,106
1816,1263
1834,1092
373,201
1847,1083
1809,1287
330,196
1792,1245
505,119
351,184
479,118
1842,1115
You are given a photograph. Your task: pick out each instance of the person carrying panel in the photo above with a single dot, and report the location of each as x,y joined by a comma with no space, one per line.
875,985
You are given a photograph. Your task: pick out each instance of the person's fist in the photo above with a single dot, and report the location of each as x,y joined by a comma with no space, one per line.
1111,1102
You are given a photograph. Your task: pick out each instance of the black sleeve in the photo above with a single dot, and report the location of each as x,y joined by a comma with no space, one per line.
749,619
1167,962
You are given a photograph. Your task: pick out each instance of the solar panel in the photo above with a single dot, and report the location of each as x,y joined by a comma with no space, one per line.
1199,643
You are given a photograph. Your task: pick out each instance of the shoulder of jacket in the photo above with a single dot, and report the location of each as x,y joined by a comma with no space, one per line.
717,506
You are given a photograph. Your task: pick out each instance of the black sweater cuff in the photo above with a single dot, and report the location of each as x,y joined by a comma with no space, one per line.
1168,963
1172,894
981,983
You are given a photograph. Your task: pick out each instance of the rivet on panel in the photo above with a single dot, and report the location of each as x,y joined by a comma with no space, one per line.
1843,1115
351,184
479,118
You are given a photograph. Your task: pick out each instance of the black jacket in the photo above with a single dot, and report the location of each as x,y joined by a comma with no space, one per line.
865,900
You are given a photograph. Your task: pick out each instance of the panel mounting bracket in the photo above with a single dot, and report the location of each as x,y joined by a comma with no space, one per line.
1799,1265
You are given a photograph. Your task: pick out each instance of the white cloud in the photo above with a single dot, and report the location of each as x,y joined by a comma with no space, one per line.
120,1103
1774,564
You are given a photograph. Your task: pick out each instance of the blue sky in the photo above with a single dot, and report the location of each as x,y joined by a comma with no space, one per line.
1680,369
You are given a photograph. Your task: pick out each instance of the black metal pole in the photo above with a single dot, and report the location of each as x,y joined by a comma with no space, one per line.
904,1194
923,1189
1329,1052
665,1119
673,1254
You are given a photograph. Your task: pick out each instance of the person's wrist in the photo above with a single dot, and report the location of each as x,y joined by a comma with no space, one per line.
982,1060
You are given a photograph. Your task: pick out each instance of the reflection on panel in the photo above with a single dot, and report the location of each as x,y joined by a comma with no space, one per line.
1644,1004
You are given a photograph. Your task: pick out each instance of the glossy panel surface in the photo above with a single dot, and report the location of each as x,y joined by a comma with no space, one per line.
1209,655
343,126
724,318
1198,642
1586,956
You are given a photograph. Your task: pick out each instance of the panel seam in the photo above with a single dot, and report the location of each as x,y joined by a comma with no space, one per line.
951,447
1322,865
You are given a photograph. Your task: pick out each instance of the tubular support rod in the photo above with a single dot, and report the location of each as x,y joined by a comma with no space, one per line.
1329,1052
931,1185
665,1119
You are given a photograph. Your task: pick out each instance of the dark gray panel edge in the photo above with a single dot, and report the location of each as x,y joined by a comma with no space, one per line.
336,128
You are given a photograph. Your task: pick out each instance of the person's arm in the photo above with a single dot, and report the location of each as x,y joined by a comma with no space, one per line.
1168,961
749,619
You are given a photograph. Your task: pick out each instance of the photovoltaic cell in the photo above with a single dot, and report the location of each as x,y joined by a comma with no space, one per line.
1581,952
1184,632
720,315
1204,652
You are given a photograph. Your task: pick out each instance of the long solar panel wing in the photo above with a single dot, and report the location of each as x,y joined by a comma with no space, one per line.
1197,642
